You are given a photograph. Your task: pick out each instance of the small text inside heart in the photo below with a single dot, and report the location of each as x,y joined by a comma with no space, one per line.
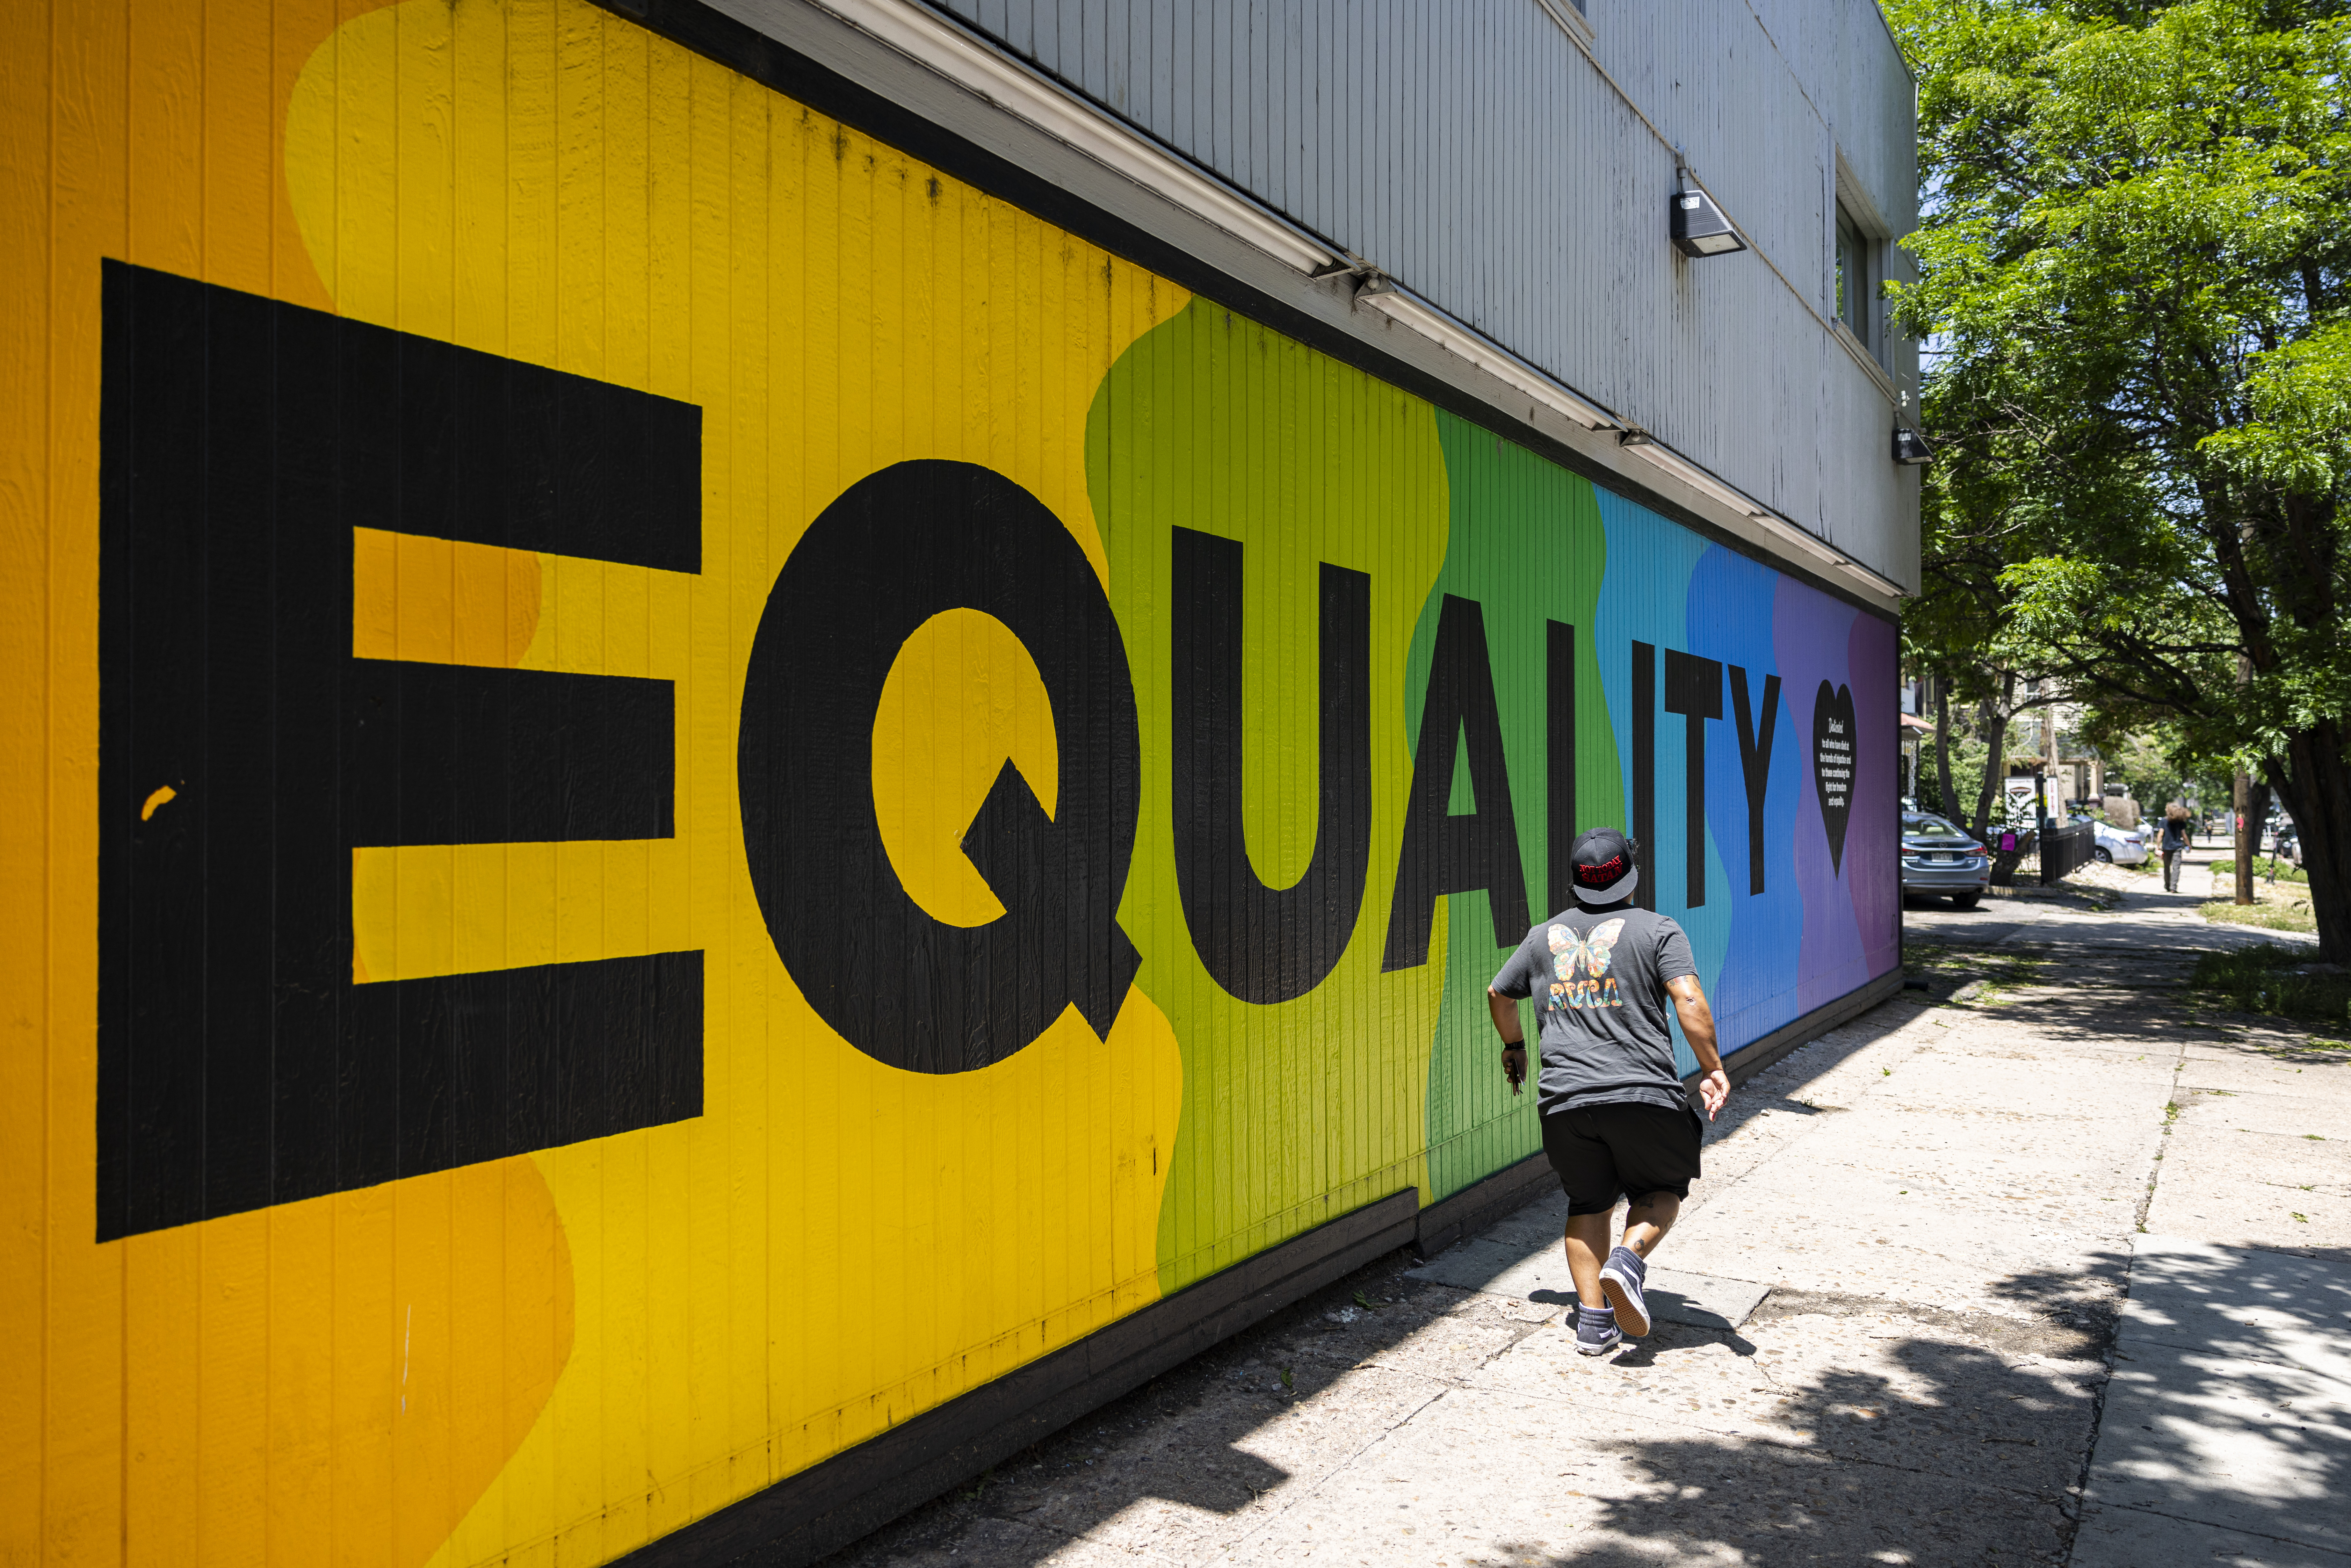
1832,765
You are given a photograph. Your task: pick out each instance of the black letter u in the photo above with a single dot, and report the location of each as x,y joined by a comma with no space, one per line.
1263,943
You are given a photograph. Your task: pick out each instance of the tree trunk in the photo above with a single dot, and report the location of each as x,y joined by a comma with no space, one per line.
2314,784
1950,801
1995,713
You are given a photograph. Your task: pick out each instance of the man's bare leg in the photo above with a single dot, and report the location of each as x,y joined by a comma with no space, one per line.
1587,1248
1647,1221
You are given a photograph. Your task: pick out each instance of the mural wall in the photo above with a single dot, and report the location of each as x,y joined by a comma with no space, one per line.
677,788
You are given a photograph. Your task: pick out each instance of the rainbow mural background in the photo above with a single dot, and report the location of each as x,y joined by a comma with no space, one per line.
287,1296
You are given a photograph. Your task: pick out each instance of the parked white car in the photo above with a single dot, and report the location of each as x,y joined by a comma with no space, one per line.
2119,846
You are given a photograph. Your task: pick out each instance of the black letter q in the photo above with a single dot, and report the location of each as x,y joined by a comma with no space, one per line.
898,547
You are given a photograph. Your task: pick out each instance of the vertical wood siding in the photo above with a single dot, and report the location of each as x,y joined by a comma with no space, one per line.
909,1009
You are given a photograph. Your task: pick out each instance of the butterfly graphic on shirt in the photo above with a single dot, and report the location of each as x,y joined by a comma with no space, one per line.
1581,963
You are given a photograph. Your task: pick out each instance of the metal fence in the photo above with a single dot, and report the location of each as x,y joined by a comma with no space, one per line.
2030,856
2064,851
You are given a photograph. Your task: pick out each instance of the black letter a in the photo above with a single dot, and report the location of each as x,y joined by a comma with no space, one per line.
1444,853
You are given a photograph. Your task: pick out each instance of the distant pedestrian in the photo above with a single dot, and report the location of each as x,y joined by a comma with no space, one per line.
2175,845
1617,1121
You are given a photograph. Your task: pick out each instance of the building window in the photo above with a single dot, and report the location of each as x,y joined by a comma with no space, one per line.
1574,16
1856,279
1860,286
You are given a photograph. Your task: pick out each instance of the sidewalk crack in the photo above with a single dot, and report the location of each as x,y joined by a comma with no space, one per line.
2081,1488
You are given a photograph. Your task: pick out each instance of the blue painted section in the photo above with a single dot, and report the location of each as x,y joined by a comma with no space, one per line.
1650,565
1730,618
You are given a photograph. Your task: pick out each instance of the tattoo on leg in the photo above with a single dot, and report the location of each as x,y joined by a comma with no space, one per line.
1653,1214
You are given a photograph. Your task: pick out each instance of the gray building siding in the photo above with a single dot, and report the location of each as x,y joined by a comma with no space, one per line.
1470,150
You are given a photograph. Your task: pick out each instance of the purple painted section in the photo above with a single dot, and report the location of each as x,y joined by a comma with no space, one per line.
1873,841
1812,636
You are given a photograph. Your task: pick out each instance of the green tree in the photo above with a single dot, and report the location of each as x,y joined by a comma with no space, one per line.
1960,631
2140,761
2133,281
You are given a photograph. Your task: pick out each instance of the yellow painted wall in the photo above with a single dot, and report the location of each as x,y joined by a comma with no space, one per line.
578,1349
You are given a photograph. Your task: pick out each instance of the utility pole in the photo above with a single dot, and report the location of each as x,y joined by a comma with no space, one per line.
2242,793
2248,834
2048,760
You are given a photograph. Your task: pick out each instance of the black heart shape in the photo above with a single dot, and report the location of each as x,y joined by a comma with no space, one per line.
1833,756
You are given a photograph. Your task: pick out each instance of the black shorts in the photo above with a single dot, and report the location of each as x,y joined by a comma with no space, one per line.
1602,1153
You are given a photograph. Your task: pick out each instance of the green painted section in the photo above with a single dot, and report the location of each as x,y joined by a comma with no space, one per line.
1301,1110
1525,542
1463,801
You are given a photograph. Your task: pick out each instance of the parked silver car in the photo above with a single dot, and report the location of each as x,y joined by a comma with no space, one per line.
1940,857
2117,846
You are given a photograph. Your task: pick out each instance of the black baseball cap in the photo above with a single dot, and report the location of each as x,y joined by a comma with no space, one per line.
1602,864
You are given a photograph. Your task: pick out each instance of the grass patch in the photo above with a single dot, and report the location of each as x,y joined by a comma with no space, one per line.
1985,978
2286,870
2263,979
2272,913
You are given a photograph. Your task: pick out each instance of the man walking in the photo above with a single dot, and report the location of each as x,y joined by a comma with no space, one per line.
1616,1121
2175,845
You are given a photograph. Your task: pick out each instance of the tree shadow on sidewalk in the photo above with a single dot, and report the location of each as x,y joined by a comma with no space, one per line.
1951,1446
2230,1402
1964,1451
1170,1459
1916,1436
1934,1437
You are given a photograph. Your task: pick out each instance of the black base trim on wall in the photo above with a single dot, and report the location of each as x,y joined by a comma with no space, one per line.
1481,1203
834,1502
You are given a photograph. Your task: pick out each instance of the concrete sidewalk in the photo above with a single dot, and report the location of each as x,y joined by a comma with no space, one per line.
2046,1264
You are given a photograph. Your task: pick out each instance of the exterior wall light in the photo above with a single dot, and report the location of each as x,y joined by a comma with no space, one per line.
1910,448
1700,228
1633,436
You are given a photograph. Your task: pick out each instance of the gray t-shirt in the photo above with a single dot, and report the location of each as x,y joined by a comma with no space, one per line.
1598,978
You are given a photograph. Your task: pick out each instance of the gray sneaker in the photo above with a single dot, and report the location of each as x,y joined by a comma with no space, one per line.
1595,1331
1620,1281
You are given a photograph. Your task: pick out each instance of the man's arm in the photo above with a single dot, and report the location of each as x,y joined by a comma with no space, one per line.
1697,1028
1505,1011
